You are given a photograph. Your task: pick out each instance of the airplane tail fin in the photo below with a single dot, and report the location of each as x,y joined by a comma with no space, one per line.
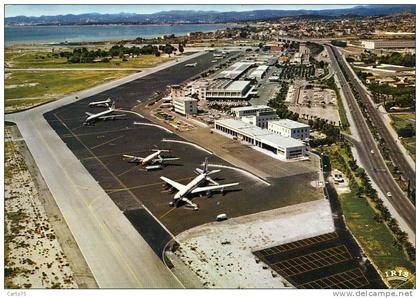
206,165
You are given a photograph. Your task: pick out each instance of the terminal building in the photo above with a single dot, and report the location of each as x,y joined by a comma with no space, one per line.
229,90
256,115
259,72
289,128
261,119
282,147
250,110
235,70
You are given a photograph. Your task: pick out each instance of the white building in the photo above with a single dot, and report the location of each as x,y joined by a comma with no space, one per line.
297,58
261,119
289,128
185,105
177,91
199,88
229,90
388,44
303,49
235,70
182,104
250,110
282,147
259,72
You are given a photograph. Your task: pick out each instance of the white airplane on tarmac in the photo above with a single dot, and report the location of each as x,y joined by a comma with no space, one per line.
153,161
191,64
104,115
194,186
103,103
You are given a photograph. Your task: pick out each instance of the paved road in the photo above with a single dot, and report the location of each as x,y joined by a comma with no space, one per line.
374,163
115,252
398,157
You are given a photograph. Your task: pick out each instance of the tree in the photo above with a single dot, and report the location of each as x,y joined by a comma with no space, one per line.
180,48
407,131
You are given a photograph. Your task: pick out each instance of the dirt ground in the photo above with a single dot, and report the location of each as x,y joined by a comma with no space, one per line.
81,274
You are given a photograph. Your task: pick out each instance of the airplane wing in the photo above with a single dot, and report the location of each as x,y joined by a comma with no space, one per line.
213,187
172,183
88,114
133,158
167,159
110,116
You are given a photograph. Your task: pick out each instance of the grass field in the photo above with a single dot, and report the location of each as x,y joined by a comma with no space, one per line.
375,237
27,89
402,120
44,59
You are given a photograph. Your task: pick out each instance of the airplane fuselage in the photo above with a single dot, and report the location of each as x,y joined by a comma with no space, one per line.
103,113
149,158
190,186
100,103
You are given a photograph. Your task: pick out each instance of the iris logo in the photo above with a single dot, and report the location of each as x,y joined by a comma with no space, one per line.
399,277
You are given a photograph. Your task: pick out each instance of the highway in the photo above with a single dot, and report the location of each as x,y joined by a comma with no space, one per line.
395,153
369,153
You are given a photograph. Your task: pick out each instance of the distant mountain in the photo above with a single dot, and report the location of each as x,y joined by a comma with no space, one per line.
189,16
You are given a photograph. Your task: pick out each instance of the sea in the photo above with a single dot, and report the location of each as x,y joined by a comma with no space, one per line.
88,33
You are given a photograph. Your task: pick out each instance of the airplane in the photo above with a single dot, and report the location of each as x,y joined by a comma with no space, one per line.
104,115
191,64
193,187
103,103
153,161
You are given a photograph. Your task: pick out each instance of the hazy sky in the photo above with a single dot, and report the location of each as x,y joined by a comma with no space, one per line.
50,9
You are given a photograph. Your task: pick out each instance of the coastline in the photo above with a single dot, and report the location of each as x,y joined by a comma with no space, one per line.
111,37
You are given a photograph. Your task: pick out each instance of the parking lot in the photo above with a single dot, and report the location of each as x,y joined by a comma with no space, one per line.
138,193
321,262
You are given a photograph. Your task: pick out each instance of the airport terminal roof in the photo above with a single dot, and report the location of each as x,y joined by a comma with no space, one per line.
259,71
262,135
237,85
249,108
289,123
235,70
275,140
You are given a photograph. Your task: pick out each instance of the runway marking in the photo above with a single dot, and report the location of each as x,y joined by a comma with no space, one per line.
109,141
167,212
246,173
154,125
99,222
188,143
97,132
127,171
107,155
132,112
